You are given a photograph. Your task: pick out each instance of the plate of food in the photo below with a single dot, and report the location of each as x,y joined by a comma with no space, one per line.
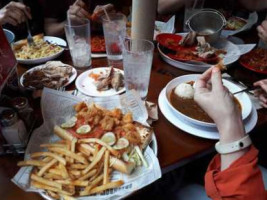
236,24
193,53
53,74
255,60
180,93
46,48
198,130
94,153
101,82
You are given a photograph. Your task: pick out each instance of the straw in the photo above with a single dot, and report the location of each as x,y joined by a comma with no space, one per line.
106,13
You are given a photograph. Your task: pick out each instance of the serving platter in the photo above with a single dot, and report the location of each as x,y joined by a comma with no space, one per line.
232,55
198,130
71,79
243,98
85,84
52,40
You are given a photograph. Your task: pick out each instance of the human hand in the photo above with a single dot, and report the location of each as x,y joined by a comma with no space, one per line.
262,31
262,93
218,103
99,11
14,13
78,11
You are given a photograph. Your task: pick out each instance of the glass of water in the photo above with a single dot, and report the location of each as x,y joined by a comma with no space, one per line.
137,62
79,41
114,26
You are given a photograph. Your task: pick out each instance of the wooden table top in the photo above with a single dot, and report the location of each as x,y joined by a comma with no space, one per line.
175,146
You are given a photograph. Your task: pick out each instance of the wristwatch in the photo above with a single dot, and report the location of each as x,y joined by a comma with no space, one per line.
233,146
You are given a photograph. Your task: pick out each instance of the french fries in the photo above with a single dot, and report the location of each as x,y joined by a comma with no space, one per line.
78,167
75,169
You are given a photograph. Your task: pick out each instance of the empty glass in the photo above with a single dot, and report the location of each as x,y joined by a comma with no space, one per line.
137,62
79,41
114,26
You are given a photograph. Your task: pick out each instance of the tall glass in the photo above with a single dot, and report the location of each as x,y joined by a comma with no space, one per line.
137,62
79,41
192,7
114,26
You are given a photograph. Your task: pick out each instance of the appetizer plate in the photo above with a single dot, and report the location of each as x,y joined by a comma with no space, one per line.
85,84
71,79
252,68
243,98
52,40
232,55
198,130
258,56
253,18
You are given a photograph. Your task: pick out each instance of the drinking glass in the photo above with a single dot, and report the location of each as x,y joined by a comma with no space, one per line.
137,62
114,26
191,7
79,41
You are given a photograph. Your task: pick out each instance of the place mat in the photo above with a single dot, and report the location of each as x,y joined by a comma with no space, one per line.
255,101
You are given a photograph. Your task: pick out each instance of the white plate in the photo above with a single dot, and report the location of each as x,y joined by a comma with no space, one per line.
85,84
197,130
71,79
243,98
53,40
231,56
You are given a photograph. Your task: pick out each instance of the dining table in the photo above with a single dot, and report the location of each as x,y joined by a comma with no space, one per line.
175,147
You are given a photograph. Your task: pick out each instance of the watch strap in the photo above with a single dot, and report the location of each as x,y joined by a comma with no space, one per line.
233,146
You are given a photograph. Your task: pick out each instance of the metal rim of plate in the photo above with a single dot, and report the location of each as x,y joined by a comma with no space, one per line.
196,130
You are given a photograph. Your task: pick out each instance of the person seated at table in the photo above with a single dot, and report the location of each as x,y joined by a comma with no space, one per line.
14,14
234,175
56,13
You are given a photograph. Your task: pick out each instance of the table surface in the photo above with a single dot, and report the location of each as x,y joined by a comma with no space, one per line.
175,146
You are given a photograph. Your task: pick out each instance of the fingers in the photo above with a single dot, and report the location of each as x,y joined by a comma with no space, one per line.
11,21
99,11
262,84
262,33
216,79
202,82
79,3
77,10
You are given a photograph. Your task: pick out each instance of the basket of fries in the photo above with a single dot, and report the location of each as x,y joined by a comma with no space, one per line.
88,150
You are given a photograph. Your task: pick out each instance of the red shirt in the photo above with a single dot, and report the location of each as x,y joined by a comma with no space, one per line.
242,180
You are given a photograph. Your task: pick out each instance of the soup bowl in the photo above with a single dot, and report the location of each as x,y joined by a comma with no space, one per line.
243,99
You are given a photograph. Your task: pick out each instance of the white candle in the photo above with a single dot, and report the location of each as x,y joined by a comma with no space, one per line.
143,19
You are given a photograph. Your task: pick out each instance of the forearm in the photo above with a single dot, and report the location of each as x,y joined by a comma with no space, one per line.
169,6
232,130
54,28
254,5
240,181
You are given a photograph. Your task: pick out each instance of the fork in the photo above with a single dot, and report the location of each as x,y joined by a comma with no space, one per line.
29,37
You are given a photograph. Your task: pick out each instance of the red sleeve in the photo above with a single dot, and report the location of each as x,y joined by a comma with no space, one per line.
242,180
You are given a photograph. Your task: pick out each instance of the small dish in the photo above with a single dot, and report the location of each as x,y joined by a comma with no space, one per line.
85,84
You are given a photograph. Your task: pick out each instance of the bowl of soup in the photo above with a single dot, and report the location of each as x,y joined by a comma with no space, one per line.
179,95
